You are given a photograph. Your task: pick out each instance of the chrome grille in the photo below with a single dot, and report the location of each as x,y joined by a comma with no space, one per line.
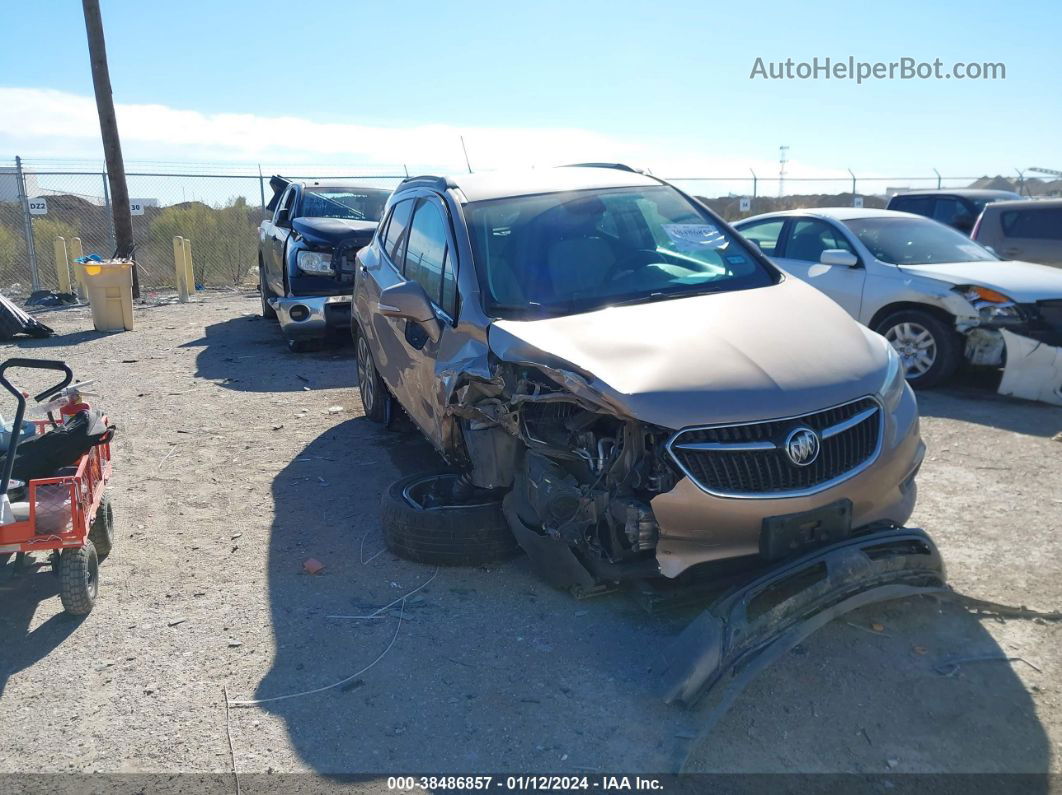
749,460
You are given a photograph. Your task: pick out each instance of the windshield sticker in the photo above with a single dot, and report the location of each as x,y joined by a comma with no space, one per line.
696,235
735,259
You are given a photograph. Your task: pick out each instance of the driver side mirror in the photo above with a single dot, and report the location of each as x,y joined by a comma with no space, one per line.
838,256
408,301
283,217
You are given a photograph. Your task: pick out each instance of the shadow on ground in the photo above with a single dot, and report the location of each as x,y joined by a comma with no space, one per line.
270,367
20,595
488,669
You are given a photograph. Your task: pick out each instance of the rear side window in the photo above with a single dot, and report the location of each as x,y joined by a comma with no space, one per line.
1041,223
948,209
764,234
426,250
396,231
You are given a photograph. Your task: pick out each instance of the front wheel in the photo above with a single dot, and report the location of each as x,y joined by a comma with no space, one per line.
929,349
268,312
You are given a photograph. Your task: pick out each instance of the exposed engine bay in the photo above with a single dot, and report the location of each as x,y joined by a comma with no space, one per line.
576,474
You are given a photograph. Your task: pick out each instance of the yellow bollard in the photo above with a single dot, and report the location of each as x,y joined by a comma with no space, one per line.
178,260
76,252
62,264
189,273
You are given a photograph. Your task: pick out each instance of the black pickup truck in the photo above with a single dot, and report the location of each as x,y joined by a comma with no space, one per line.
306,254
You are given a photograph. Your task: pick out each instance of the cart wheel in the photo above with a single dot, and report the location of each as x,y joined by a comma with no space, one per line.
101,534
79,579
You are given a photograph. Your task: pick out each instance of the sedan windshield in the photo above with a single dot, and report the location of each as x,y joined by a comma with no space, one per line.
358,204
563,253
916,241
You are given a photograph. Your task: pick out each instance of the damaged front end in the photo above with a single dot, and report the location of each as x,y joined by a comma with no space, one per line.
754,624
579,473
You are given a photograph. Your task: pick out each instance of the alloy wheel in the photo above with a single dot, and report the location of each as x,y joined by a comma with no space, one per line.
366,382
916,346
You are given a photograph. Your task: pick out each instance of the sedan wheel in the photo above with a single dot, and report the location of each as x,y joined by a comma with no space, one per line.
916,346
374,396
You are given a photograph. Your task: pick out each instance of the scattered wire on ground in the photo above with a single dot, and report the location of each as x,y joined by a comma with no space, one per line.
402,599
951,667
341,682
228,735
1006,611
361,554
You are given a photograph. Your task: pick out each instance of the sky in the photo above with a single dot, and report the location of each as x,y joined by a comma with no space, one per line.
664,86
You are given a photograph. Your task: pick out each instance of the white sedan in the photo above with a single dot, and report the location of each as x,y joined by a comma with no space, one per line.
936,295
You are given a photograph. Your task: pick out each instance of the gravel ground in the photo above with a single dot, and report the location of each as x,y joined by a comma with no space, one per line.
236,461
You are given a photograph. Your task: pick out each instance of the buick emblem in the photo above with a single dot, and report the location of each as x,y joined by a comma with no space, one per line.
802,446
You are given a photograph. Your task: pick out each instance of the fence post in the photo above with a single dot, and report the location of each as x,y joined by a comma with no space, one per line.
938,178
76,252
62,264
27,223
755,180
853,187
189,272
178,267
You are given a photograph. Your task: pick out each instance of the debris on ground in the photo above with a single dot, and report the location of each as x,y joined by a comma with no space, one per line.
312,566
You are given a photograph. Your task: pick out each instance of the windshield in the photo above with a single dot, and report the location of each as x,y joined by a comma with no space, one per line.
916,241
979,204
562,253
358,204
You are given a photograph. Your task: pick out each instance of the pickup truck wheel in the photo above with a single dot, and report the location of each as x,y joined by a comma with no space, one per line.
930,351
421,523
268,312
375,399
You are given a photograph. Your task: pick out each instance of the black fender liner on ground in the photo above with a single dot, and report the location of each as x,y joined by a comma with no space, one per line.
443,534
754,624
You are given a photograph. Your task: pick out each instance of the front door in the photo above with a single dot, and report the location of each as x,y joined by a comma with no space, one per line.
805,240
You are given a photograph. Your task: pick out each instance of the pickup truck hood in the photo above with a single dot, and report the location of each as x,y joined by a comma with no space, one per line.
330,231
1024,282
726,357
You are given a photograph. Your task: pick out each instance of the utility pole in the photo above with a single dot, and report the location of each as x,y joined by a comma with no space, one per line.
112,146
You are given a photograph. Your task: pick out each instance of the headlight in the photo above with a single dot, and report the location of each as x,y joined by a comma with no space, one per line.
895,381
315,262
994,308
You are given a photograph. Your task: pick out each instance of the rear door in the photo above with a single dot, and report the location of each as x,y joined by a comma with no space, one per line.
1033,234
803,243
919,205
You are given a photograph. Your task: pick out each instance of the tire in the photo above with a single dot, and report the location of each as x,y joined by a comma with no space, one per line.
375,397
101,534
304,346
79,579
443,534
268,312
930,350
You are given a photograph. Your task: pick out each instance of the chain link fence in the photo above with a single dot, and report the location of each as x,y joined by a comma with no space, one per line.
220,213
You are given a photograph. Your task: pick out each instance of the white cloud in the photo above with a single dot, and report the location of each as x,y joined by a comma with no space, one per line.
47,123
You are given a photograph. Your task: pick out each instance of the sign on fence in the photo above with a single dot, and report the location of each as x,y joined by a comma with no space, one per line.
857,201
38,206
136,207
745,204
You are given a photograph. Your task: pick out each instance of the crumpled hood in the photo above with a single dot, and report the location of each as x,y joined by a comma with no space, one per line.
726,357
331,231
1025,282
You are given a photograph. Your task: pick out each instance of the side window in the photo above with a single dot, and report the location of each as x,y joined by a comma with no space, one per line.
286,204
920,205
396,229
1041,223
449,286
948,209
426,249
809,238
764,234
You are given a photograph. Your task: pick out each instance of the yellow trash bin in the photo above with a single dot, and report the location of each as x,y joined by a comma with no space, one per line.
110,292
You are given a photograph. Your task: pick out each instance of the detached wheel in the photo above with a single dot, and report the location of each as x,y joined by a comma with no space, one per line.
422,523
930,351
79,579
375,398
268,312
101,534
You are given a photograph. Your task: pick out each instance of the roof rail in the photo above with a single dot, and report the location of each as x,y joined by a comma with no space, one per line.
616,166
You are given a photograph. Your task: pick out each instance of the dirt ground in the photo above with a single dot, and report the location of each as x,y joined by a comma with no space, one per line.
236,461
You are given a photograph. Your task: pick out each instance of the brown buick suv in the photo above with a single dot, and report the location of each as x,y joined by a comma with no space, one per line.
622,385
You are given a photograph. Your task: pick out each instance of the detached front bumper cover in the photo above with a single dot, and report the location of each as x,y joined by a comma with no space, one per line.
756,623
